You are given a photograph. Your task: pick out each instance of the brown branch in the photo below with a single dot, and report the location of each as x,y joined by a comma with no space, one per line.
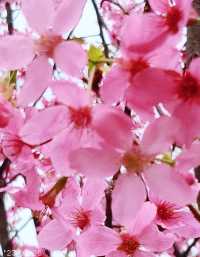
187,251
5,243
193,37
101,25
9,18
109,217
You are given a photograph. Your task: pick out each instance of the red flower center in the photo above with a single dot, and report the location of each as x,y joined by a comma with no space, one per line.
12,145
81,117
47,43
188,88
135,161
135,66
173,18
129,244
166,211
81,218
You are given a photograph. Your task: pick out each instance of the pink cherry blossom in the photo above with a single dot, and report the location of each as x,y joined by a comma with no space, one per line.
136,241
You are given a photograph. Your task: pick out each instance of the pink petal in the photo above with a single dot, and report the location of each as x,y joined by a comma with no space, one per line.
29,196
70,58
155,240
68,15
189,158
131,188
70,94
161,178
184,115
151,37
160,6
54,236
95,162
92,193
140,253
51,121
154,141
144,218
16,51
114,85
58,150
98,241
115,120
116,254
36,82
150,87
38,13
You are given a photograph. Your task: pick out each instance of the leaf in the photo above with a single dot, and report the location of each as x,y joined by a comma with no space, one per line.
95,54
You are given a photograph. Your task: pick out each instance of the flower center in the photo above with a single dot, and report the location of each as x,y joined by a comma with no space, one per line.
188,88
12,145
135,66
128,245
81,117
135,161
81,218
173,18
46,44
166,211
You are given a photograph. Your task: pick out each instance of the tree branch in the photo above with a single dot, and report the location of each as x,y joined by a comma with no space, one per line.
9,18
101,25
6,244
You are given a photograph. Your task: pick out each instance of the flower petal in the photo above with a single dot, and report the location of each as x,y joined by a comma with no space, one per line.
71,58
54,236
144,217
38,13
51,121
95,162
68,15
16,51
118,129
128,197
155,240
98,241
114,85
161,178
70,94
36,82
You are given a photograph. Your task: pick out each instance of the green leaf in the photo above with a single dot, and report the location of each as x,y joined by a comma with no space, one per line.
167,159
95,54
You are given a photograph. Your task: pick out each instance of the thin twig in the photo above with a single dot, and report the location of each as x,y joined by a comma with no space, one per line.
187,251
101,25
116,4
9,18
5,243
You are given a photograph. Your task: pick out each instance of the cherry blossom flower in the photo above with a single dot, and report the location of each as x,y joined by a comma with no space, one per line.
139,239
18,50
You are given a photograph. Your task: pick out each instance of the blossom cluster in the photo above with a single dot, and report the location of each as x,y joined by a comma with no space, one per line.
106,145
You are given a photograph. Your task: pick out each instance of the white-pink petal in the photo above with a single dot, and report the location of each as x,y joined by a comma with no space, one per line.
71,58
38,76
70,94
39,14
98,241
128,197
68,15
95,163
169,185
54,236
16,52
44,125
